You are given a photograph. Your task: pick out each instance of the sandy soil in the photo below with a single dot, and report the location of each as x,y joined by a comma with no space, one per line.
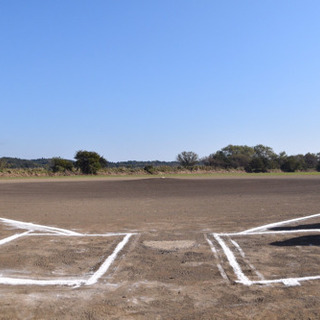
167,270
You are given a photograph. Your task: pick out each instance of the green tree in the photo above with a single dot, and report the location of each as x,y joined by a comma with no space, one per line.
294,163
232,156
238,156
263,159
187,158
3,164
61,165
256,165
282,158
217,160
89,162
311,160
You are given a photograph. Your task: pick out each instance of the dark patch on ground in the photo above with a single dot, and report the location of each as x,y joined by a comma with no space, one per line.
310,240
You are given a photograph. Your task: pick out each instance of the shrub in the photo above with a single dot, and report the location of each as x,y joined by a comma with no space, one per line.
150,169
61,165
89,162
187,158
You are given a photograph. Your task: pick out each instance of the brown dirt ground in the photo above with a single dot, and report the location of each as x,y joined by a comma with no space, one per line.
167,270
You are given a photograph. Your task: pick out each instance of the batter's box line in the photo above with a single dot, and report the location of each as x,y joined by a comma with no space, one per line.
52,231
241,277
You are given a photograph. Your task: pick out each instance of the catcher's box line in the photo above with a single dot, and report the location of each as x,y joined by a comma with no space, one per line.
242,278
51,231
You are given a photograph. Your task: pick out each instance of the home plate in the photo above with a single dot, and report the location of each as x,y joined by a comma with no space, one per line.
170,245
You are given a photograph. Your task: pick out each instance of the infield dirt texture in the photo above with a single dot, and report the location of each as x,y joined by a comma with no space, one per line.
172,266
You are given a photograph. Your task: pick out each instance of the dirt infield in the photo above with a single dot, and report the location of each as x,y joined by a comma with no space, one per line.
167,270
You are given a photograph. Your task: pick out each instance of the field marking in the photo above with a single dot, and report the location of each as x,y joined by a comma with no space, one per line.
15,236
233,261
107,263
52,231
61,282
34,227
241,277
219,266
272,225
269,232
235,243
111,234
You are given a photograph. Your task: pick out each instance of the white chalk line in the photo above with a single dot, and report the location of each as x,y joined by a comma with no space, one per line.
287,281
259,231
58,282
66,233
242,278
36,227
15,236
246,281
78,235
219,266
270,232
246,260
105,266
67,282
272,225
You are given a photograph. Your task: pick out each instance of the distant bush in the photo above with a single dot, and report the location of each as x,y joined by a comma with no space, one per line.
256,165
3,164
150,169
89,162
61,165
294,163
187,158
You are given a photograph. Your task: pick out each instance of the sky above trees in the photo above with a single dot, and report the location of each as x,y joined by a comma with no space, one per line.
146,80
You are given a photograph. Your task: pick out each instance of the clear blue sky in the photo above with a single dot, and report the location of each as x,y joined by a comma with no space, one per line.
145,80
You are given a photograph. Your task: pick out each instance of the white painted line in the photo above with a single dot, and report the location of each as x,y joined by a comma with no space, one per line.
246,260
233,262
38,227
105,266
15,236
61,282
269,232
213,249
263,230
272,225
79,235
287,281
222,272
238,248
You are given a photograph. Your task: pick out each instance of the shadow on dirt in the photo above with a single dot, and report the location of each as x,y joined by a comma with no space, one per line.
299,227
298,241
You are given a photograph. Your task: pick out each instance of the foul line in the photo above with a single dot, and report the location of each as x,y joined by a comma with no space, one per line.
271,225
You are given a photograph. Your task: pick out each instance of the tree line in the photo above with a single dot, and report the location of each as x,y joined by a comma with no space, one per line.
256,159
259,158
